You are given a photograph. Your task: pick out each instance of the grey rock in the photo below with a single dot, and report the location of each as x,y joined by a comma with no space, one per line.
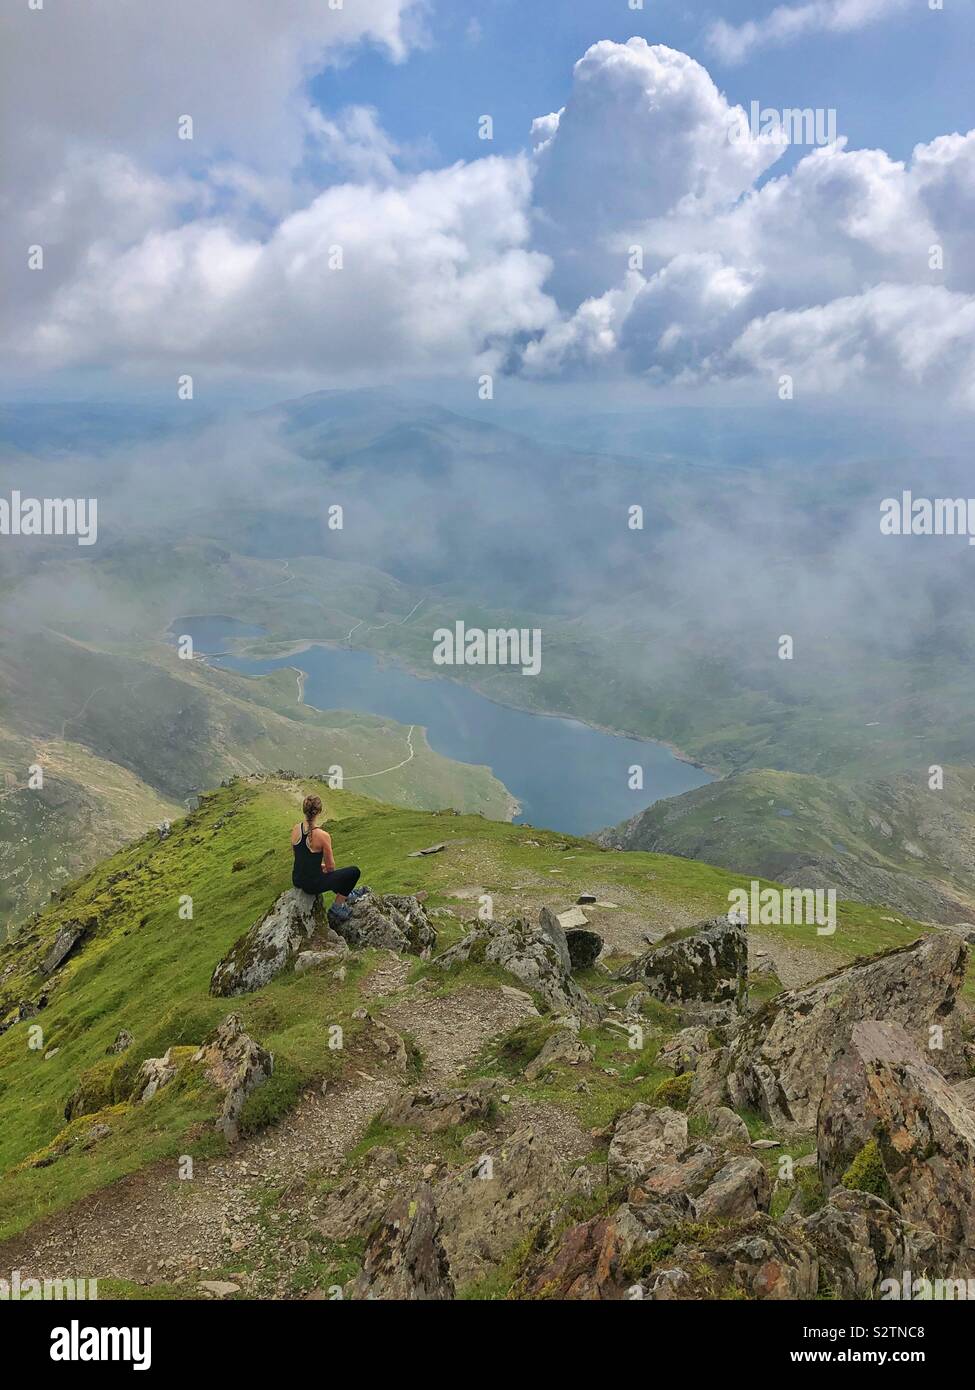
882,1090
643,1138
269,946
237,1065
67,940
737,1190
728,1127
562,1047
708,963
404,1259
487,1210
860,1241
535,953
433,1111
685,1049
391,922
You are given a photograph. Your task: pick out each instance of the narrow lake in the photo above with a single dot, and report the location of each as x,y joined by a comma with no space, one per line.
565,775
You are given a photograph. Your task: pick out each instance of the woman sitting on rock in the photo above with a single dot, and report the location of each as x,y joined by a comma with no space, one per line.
314,869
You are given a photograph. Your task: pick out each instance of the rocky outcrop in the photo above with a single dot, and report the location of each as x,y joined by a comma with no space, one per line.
586,1262
237,1065
269,946
889,1123
153,1075
535,953
433,1110
754,1258
860,1240
123,1041
707,963
390,922
404,1259
551,927
777,1062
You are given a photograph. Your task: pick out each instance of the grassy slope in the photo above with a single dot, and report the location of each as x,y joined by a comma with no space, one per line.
147,970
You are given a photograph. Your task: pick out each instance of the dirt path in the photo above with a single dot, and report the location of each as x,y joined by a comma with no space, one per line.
154,1227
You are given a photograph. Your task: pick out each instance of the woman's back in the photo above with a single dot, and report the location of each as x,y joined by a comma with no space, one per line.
307,871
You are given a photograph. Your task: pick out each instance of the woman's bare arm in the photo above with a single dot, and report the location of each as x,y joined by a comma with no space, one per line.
328,859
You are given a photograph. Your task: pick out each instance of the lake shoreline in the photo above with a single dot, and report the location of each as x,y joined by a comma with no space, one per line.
304,644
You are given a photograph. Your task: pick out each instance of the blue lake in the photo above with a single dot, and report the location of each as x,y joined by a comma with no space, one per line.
565,775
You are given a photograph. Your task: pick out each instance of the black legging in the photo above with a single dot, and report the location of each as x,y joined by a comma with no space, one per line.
340,881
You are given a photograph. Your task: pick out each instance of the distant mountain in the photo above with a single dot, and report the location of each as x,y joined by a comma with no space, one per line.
891,840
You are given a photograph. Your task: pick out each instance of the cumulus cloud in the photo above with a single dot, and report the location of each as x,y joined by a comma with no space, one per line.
733,43
644,134
819,272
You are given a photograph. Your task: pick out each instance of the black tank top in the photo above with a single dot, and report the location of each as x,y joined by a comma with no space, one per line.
307,871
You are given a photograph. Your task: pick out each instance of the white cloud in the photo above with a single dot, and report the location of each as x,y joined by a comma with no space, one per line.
815,263
435,276
645,133
733,43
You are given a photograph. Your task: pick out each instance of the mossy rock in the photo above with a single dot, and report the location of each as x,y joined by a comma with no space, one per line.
675,1091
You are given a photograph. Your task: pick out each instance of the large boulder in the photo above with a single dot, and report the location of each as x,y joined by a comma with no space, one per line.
404,1260
389,921
890,1123
270,945
535,953
707,963
236,1065
777,1062
495,1202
